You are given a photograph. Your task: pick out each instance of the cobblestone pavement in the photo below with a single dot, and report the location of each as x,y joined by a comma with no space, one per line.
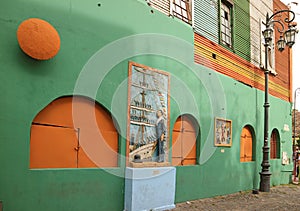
285,197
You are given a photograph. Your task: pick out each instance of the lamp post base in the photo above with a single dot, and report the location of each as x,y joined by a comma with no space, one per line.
265,181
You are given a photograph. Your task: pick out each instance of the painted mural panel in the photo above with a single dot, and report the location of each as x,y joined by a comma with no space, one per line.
148,110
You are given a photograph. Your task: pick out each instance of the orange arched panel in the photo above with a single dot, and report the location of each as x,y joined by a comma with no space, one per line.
52,147
184,142
73,132
58,112
246,144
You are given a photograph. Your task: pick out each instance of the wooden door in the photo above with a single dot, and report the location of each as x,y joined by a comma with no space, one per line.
273,145
246,145
184,142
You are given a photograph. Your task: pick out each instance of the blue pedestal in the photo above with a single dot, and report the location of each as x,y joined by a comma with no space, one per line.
149,188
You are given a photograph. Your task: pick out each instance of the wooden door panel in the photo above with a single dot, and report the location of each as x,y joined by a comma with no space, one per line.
178,124
188,125
176,149
189,145
273,149
184,142
176,145
100,149
189,161
242,149
176,161
248,158
246,147
53,147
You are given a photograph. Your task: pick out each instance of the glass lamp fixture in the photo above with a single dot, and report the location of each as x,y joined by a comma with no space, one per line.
268,34
281,44
290,36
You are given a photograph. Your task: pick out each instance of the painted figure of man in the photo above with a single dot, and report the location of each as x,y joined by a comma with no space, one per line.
160,135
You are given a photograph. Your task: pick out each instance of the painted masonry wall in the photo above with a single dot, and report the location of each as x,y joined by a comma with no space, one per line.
84,27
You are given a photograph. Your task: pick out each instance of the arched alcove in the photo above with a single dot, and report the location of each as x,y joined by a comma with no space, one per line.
184,141
275,144
247,144
73,132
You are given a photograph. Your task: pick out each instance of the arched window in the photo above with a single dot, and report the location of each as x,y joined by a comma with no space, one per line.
73,132
184,144
246,145
274,145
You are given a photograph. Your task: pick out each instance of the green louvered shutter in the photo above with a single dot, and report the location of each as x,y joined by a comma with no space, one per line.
242,29
206,19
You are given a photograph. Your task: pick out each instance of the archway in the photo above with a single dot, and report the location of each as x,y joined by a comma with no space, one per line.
275,144
56,143
246,144
184,141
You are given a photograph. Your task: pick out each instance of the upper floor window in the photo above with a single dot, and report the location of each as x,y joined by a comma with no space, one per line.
182,10
161,5
226,23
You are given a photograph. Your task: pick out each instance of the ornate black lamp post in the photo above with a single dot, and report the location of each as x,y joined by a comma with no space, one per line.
287,38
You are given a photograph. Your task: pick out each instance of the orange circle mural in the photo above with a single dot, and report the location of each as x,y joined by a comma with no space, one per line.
38,39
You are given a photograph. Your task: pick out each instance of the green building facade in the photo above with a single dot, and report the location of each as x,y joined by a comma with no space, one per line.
98,39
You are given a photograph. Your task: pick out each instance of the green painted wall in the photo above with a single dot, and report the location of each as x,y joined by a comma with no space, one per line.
84,27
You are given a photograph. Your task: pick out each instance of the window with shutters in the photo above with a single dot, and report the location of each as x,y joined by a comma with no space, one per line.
161,5
184,141
73,132
182,9
274,145
226,23
246,145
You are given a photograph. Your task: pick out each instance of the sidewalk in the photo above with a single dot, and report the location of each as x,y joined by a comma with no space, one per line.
285,197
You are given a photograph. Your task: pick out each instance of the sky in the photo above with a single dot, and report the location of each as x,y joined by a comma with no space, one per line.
296,50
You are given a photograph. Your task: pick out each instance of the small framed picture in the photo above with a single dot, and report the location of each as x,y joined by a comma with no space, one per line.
223,132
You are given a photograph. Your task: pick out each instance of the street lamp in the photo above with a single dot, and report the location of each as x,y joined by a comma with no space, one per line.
287,37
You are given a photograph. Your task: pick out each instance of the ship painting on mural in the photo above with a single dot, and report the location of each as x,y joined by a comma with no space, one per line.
148,95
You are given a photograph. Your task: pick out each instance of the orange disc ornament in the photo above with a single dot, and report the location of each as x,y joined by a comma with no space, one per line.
38,39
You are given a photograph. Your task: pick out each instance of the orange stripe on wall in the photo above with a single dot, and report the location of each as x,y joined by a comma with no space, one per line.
256,77
227,63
